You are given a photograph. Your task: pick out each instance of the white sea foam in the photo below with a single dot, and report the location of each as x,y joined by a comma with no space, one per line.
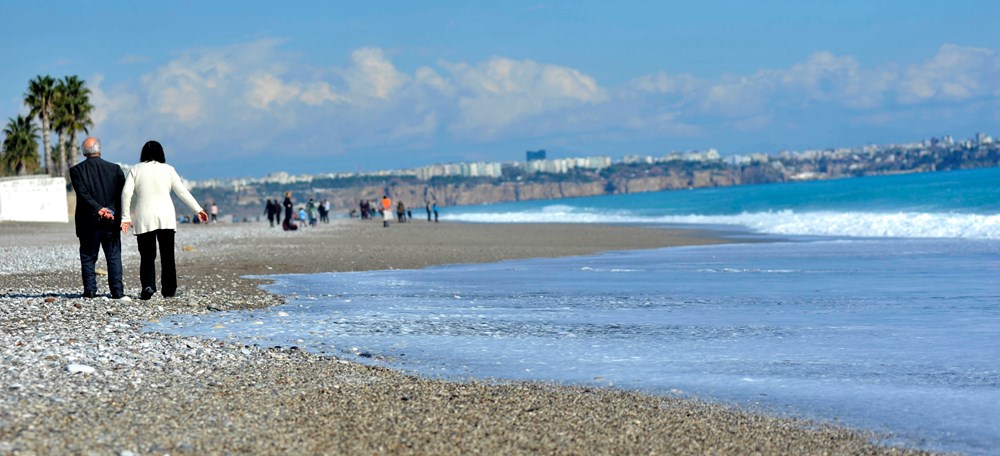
854,224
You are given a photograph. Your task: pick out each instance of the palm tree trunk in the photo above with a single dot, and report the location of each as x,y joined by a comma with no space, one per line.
46,152
74,151
62,154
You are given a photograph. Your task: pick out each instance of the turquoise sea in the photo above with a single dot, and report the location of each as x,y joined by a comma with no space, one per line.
873,303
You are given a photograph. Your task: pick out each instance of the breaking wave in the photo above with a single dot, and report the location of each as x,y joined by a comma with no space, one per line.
851,224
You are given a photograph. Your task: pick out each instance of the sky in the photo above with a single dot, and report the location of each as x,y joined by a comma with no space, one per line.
247,88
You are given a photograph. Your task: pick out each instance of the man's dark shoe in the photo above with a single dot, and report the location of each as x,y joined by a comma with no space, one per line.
89,294
117,295
147,293
172,295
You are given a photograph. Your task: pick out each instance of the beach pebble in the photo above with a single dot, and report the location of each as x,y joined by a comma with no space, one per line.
79,369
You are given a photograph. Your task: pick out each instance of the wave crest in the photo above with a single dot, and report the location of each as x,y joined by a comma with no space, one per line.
852,224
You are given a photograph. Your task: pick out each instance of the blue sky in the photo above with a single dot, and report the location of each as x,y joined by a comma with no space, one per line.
238,88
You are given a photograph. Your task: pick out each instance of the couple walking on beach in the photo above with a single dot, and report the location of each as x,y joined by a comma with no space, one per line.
108,203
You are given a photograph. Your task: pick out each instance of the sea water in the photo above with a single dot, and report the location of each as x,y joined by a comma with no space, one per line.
875,305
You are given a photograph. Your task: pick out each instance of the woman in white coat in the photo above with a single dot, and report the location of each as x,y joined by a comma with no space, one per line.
152,215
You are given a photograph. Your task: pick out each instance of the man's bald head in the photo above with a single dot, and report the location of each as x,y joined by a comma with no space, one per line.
91,146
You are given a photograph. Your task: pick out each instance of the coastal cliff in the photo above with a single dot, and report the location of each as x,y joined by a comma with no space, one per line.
248,202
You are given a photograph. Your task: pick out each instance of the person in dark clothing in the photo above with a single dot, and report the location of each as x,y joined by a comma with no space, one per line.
269,211
98,185
288,224
324,212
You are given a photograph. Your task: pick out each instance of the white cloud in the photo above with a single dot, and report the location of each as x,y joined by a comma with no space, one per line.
228,100
830,78
372,75
182,87
662,83
739,96
500,92
105,103
267,88
428,77
954,73
317,93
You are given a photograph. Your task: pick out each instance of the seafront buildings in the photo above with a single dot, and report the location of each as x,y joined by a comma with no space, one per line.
797,165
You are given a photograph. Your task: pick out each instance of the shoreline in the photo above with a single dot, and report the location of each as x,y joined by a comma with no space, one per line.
152,393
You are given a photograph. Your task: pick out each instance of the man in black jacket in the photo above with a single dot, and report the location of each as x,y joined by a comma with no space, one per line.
98,186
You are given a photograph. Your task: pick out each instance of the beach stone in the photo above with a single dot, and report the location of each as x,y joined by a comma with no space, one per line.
80,369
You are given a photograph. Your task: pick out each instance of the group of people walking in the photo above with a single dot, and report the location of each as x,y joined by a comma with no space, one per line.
110,202
311,214
384,207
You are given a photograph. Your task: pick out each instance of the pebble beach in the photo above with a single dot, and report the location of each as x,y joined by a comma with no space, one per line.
81,376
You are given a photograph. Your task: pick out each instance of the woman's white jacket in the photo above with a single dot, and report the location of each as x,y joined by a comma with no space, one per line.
151,183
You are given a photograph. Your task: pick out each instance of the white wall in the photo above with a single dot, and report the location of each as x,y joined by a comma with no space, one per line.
33,199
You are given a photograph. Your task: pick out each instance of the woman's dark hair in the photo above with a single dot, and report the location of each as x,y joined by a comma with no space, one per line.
152,151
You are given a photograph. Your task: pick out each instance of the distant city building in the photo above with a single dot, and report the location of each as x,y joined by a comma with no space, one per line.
693,156
747,159
854,159
633,158
564,165
533,155
477,169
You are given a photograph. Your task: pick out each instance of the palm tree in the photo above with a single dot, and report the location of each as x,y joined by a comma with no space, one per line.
20,145
74,98
40,98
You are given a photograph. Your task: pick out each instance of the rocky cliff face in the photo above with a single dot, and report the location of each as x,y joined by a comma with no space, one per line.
415,194
484,193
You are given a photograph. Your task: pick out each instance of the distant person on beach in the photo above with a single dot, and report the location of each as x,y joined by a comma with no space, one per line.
427,206
386,211
214,211
311,212
401,212
435,209
271,210
153,217
288,224
98,185
324,211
